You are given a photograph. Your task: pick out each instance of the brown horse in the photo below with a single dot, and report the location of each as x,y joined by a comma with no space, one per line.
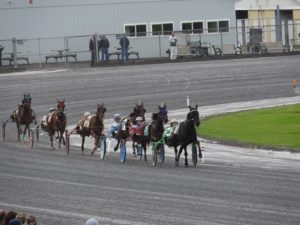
138,110
94,127
56,122
24,115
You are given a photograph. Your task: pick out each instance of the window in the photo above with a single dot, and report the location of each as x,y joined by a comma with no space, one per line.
192,27
162,29
218,26
136,30
224,26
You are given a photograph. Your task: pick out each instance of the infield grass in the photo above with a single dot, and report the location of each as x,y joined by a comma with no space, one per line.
276,128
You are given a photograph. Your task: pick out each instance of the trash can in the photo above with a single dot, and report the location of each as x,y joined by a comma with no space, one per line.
1,49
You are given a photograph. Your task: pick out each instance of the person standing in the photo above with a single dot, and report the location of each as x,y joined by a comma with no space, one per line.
173,46
103,46
92,50
124,43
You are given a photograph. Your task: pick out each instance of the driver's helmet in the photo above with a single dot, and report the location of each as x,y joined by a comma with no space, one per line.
117,117
87,114
139,118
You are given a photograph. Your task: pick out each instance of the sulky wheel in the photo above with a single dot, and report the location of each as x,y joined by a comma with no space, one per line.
102,146
162,153
123,152
31,138
154,154
67,139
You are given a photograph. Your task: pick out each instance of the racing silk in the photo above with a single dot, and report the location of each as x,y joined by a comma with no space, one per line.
114,128
135,129
168,132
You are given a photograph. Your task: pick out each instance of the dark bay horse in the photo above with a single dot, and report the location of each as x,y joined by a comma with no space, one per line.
94,127
56,122
186,135
153,131
127,123
24,115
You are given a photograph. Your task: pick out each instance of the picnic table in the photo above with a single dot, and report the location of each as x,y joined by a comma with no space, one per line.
118,53
10,58
61,54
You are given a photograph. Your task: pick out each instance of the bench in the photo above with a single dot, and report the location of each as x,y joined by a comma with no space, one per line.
11,58
226,49
119,54
61,54
273,47
295,45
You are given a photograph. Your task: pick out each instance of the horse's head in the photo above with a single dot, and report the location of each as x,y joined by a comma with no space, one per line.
194,115
163,112
139,110
61,105
26,102
101,109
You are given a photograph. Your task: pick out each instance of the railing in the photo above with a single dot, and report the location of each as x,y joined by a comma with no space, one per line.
148,45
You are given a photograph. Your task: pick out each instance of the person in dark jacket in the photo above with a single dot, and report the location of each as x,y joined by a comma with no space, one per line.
103,46
124,43
92,50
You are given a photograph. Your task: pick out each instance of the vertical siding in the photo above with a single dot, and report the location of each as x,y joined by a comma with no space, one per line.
59,18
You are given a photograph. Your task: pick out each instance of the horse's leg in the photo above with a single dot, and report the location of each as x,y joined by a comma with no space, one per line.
51,141
200,151
82,143
179,153
19,130
176,152
24,132
63,138
117,146
59,140
145,150
186,155
133,148
95,144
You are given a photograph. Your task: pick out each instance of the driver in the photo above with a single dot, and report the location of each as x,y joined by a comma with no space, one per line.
136,128
115,127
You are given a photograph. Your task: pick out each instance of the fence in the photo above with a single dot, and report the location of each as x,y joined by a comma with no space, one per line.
151,45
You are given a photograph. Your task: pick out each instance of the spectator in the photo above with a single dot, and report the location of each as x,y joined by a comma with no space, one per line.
92,49
91,221
9,216
103,46
22,217
173,46
2,216
124,43
30,220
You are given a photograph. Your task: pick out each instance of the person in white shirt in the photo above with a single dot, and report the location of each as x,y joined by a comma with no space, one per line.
173,46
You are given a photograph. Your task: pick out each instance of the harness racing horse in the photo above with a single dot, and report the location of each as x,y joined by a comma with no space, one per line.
24,115
163,113
94,127
126,124
157,129
186,135
56,122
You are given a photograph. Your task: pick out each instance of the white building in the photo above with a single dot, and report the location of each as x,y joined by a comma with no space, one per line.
277,19
46,26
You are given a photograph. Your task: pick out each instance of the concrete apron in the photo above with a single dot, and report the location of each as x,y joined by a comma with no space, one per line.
215,154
